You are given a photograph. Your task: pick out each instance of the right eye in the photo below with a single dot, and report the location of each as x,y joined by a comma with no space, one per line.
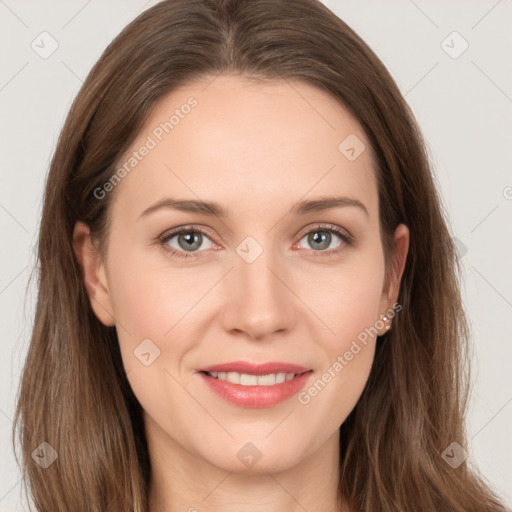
188,240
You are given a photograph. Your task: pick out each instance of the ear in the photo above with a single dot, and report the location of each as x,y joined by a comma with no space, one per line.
391,289
93,273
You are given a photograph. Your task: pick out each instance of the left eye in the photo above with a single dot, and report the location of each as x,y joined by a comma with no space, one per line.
321,239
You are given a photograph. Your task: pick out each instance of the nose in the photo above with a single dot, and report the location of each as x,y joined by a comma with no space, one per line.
258,300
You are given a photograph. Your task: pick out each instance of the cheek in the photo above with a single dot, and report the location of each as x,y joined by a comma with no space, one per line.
151,305
348,303
150,299
346,299
338,384
158,309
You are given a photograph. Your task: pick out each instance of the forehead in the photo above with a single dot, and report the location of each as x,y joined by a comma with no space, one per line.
249,144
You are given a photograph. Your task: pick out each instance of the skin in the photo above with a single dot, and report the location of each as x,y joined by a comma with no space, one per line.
257,149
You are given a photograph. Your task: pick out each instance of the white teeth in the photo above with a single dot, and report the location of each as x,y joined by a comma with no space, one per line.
246,379
267,380
233,377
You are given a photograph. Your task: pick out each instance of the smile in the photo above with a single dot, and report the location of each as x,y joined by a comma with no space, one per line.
255,385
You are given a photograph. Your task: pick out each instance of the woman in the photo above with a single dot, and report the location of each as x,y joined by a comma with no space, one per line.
197,348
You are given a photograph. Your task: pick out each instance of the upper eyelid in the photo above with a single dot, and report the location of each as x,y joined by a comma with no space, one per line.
328,226
170,233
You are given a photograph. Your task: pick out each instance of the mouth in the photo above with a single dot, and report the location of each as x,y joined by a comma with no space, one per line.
255,385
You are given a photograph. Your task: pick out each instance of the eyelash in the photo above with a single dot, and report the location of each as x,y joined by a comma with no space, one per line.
163,240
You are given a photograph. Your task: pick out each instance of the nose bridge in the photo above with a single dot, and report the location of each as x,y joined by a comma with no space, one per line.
257,278
258,301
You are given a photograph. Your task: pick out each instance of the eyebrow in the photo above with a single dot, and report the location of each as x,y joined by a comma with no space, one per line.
211,208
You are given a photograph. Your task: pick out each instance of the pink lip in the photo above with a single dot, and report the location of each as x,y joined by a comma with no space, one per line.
256,396
255,369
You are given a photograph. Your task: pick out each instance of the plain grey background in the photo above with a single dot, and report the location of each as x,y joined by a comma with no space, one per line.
460,96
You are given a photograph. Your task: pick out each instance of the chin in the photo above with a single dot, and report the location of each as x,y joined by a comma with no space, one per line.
255,457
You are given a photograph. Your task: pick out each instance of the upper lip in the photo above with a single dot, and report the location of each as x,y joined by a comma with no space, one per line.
255,368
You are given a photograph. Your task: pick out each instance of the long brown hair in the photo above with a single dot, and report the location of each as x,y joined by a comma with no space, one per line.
74,393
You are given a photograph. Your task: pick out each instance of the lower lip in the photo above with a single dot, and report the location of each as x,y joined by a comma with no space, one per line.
256,396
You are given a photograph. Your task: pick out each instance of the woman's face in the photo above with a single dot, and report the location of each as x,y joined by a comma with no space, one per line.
267,281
